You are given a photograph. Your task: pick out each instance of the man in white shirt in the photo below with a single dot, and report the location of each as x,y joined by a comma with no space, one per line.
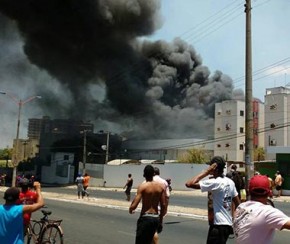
223,193
255,221
165,185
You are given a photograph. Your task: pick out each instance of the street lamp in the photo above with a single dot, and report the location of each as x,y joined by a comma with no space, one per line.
20,103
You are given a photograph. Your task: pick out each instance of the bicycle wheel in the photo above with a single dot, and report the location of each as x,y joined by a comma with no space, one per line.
51,234
29,238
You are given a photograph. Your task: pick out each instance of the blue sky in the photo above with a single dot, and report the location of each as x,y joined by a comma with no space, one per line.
216,29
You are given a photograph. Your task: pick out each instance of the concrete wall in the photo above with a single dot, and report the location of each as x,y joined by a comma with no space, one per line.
49,175
116,176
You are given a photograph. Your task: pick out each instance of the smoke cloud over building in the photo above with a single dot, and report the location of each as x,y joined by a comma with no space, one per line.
88,60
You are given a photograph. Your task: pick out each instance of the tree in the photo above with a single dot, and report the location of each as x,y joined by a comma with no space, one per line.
6,154
195,156
259,154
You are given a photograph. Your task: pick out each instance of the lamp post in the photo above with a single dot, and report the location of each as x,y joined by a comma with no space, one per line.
20,103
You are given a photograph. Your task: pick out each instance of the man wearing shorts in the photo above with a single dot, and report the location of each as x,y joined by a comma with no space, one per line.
223,193
278,183
152,195
128,187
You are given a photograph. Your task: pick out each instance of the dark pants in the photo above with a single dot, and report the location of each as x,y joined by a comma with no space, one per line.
146,228
218,234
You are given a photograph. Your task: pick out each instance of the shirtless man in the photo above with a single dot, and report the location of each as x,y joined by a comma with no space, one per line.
278,183
152,195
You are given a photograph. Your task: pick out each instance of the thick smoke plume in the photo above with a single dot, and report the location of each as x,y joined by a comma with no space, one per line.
86,58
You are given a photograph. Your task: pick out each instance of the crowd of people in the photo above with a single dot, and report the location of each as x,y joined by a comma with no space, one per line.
249,219
231,212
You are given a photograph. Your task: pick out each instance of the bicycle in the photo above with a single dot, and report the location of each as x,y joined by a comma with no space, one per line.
44,230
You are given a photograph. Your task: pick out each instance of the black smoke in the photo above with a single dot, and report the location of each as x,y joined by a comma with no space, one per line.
90,63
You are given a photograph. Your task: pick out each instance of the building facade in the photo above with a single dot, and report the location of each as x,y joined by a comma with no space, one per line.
277,119
229,130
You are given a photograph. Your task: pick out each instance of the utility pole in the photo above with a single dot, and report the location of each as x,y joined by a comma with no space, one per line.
85,151
249,167
107,147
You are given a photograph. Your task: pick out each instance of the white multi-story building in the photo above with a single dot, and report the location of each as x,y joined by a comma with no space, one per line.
230,128
277,119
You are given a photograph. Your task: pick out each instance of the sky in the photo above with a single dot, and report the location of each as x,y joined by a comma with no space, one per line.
198,41
216,29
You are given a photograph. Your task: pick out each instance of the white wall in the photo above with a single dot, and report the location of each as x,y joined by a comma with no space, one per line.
64,163
116,176
48,175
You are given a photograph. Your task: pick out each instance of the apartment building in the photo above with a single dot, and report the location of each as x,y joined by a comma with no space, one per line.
277,119
229,131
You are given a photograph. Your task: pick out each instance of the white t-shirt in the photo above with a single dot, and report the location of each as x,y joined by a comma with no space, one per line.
158,179
223,191
256,222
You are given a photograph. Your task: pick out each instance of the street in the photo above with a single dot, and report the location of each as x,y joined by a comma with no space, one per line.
88,223
84,224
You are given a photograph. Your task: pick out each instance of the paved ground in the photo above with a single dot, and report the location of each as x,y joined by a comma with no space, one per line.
123,204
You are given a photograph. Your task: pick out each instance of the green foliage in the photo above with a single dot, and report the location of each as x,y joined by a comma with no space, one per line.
5,154
259,154
194,156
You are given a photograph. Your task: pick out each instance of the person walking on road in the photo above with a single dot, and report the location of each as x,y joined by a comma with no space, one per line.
86,181
11,214
128,187
278,183
223,192
152,195
254,220
80,185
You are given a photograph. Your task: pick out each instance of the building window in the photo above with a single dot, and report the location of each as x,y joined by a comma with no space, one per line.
241,129
218,129
272,126
227,145
242,147
241,112
273,106
273,142
219,113
218,145
228,112
66,157
228,126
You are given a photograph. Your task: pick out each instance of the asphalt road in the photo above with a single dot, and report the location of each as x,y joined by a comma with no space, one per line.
186,199
118,194
87,223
